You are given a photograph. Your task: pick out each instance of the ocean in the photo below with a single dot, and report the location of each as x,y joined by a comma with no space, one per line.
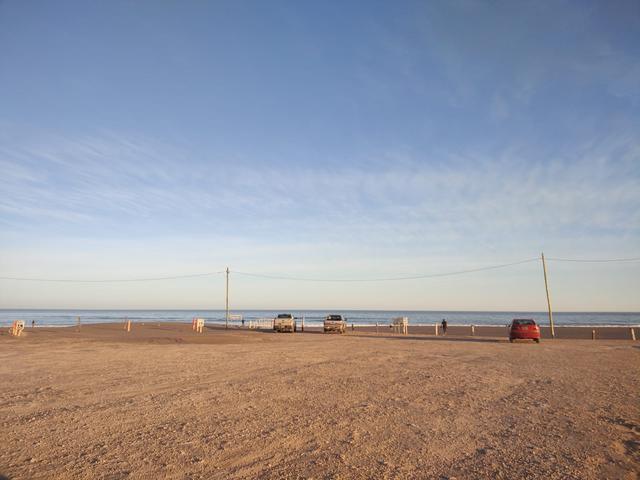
60,318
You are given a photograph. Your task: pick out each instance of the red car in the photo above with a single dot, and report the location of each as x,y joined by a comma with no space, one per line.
524,329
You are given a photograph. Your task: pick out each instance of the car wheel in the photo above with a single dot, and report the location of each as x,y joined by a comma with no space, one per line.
511,340
537,340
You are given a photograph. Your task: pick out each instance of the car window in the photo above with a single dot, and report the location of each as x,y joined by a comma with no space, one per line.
524,322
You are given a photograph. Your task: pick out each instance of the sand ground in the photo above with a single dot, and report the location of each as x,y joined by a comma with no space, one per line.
163,402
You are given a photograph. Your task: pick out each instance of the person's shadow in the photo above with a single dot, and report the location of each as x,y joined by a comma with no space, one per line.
4,477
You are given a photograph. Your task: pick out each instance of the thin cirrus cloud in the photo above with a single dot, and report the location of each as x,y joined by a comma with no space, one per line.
111,179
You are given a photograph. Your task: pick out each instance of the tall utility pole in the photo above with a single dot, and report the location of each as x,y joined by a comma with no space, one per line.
226,321
546,286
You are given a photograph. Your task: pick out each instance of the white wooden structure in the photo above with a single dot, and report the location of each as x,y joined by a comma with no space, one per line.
197,324
16,328
261,323
400,325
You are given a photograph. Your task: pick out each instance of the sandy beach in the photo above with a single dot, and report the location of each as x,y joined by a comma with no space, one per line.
164,402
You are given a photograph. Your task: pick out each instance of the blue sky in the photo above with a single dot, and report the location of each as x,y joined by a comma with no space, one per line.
320,139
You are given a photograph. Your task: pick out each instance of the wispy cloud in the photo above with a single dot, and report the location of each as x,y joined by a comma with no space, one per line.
112,181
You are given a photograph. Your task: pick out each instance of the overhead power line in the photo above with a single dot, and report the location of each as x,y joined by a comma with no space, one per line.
606,260
117,280
384,279
309,279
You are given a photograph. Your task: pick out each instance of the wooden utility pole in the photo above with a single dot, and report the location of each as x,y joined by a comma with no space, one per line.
226,321
546,286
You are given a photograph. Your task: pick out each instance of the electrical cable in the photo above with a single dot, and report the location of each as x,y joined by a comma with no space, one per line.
386,279
118,280
307,279
581,260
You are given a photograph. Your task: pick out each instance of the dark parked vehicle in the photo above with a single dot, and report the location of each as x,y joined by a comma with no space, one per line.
524,329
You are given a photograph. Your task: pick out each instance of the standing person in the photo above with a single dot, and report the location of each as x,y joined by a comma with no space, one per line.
444,326
33,323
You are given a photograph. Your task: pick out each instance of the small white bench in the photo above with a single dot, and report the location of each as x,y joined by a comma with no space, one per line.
197,324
